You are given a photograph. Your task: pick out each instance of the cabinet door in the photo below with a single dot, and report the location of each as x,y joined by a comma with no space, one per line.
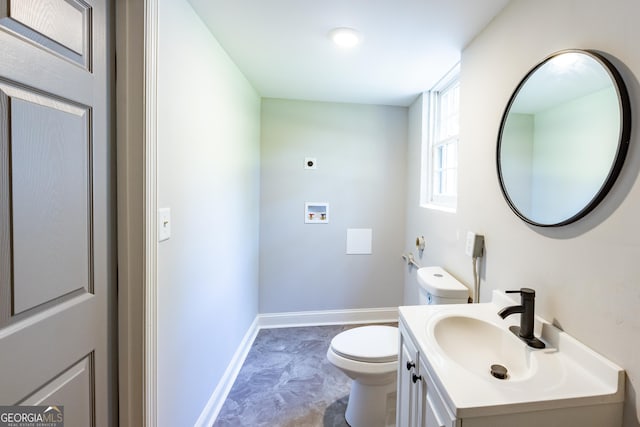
431,415
407,399
433,408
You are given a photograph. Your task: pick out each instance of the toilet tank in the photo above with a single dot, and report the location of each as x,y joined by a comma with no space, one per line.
437,286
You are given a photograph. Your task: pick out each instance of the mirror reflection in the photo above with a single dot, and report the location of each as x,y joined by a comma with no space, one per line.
563,138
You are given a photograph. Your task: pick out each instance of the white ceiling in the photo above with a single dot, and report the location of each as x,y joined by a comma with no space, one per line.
283,49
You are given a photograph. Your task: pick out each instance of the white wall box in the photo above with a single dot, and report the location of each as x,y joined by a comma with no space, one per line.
316,213
359,241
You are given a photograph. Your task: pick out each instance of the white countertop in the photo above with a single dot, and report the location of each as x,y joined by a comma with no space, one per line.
566,374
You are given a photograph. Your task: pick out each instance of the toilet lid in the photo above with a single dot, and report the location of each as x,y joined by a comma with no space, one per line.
367,344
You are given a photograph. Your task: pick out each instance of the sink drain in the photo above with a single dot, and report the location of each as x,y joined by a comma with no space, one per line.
499,371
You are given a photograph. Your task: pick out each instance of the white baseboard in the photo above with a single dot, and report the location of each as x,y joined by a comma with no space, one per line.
213,406
328,317
285,320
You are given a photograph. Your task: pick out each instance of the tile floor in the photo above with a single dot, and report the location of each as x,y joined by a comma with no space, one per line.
287,381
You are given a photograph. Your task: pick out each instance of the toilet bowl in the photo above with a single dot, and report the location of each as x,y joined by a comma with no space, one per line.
369,356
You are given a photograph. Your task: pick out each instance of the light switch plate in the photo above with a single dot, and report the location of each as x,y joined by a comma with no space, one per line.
164,224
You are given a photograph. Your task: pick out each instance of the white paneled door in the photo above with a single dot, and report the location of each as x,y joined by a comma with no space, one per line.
56,208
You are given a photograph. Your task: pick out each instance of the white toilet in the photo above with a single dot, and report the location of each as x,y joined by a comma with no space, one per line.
369,354
437,286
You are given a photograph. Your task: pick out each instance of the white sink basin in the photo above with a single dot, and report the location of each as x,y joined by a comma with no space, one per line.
477,345
460,342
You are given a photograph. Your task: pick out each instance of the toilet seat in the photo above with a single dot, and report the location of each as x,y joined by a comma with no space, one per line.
370,344
368,355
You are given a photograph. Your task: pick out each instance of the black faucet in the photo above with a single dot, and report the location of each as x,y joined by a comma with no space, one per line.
527,310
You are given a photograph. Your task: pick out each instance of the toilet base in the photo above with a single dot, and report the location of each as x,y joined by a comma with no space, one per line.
371,405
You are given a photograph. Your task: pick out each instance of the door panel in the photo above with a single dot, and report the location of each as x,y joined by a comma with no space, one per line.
56,258
37,349
60,26
50,198
73,385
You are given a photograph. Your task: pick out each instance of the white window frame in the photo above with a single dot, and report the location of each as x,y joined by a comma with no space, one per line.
429,197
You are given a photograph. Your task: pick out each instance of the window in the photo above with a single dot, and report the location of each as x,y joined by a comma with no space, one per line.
440,144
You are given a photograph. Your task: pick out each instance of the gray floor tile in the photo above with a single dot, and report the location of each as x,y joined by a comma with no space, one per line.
286,380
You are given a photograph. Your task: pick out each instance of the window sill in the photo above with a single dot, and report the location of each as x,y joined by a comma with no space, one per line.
440,208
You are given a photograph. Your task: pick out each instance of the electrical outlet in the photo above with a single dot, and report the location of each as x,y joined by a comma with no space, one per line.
474,246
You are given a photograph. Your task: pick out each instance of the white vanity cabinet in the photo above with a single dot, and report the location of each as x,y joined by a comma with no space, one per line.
419,403
407,404
568,384
435,413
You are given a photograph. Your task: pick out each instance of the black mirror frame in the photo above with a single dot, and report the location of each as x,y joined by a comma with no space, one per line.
623,141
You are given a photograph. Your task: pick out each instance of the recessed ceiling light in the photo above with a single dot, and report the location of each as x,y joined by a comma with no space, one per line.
345,37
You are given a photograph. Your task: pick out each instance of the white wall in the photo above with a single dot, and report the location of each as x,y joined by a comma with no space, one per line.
208,173
438,227
586,275
360,153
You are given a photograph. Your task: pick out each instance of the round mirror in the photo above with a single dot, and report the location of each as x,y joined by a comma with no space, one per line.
563,138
